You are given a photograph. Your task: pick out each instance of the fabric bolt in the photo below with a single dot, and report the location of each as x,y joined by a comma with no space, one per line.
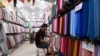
91,21
61,25
9,43
59,4
66,25
99,51
66,47
69,47
54,24
1,13
15,40
73,22
96,50
79,23
97,17
12,41
57,42
54,10
58,25
84,17
75,48
63,45
56,29
80,49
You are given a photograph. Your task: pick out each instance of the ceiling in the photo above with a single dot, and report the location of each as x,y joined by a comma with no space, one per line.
35,12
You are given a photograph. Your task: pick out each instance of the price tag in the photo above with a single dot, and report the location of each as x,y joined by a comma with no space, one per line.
89,46
79,7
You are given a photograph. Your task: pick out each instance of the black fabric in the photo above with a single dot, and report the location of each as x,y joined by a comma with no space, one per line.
39,35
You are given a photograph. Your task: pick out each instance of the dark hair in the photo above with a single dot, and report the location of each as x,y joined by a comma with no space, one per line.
44,25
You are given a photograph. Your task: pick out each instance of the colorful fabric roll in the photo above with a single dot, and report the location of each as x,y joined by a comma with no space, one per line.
91,20
61,25
73,23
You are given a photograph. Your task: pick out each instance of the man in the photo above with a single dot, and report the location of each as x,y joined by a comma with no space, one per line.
39,40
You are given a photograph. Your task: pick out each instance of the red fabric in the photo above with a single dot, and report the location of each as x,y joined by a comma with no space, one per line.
69,47
62,45
67,44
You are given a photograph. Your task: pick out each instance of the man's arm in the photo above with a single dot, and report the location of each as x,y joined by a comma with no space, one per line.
42,40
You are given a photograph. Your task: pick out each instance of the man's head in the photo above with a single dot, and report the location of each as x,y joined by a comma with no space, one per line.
44,26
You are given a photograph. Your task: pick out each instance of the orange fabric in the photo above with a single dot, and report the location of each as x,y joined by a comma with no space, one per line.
60,29
75,48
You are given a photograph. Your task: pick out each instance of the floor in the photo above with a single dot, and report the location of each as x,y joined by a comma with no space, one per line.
26,49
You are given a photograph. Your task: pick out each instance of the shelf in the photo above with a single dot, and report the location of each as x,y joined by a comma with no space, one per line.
14,33
14,23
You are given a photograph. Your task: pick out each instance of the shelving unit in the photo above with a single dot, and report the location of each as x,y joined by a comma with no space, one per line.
12,31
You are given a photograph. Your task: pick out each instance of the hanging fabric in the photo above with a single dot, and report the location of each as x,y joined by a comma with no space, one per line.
1,13
59,4
97,18
73,23
54,10
84,17
63,45
9,43
54,25
69,46
66,24
76,48
91,20
61,25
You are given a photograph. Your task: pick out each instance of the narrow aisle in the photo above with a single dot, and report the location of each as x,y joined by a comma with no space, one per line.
25,49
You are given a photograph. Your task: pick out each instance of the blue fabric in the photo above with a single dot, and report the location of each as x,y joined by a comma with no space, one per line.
73,22
79,24
96,51
91,33
97,18
84,17
54,10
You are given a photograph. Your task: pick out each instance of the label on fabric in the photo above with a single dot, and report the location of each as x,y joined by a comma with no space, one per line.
89,46
78,7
